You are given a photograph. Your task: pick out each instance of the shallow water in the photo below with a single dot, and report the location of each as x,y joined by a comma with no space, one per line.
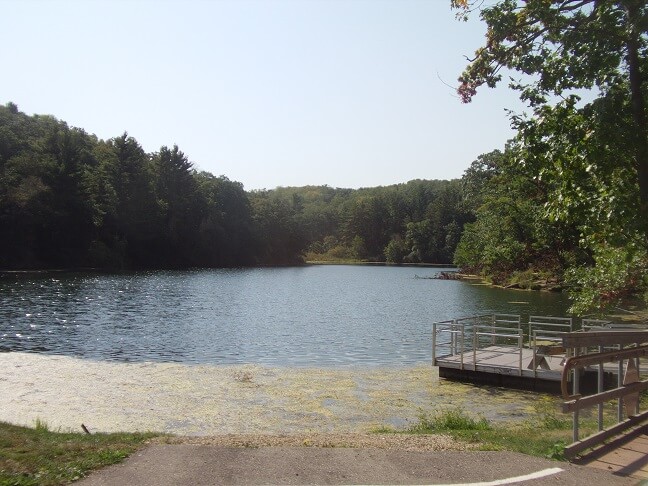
65,392
322,316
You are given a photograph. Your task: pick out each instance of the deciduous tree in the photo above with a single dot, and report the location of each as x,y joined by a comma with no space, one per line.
558,46
591,158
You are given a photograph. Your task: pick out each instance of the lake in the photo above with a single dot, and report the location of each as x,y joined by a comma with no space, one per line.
309,316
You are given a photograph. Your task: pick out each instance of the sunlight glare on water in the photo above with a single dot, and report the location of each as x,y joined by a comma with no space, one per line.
298,316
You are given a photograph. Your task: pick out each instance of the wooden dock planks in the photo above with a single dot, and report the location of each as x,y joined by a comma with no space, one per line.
627,456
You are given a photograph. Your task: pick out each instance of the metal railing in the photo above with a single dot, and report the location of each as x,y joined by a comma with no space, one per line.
507,320
449,328
549,328
602,347
459,337
505,334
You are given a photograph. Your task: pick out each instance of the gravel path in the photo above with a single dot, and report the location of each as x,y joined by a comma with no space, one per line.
200,401
353,441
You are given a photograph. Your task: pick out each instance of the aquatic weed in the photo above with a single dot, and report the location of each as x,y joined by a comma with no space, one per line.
243,376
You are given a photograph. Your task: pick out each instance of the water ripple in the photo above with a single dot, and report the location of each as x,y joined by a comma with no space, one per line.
304,316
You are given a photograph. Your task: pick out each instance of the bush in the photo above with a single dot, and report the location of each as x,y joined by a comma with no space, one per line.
618,273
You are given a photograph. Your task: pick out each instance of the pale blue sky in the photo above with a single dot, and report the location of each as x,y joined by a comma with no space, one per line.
348,93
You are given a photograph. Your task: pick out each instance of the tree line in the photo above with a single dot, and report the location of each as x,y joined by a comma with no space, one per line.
70,200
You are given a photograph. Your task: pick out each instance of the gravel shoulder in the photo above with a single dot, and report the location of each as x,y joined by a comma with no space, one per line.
352,441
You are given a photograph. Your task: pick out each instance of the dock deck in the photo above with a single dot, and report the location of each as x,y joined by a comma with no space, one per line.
503,366
501,350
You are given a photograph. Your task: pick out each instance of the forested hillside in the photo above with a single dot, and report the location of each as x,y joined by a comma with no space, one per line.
563,205
70,200
420,221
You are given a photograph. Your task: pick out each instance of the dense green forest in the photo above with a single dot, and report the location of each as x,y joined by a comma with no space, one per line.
70,200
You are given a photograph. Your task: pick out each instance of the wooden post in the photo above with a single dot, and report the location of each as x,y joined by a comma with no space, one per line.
600,389
576,391
619,384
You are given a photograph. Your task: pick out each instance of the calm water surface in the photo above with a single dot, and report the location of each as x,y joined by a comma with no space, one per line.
302,316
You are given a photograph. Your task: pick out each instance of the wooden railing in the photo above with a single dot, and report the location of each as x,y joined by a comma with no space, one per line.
596,349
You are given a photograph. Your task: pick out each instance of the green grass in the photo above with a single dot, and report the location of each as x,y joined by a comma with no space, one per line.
545,437
43,457
544,434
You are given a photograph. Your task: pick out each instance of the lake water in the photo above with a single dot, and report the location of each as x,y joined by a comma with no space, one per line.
300,316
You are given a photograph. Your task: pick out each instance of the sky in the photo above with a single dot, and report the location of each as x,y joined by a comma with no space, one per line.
347,93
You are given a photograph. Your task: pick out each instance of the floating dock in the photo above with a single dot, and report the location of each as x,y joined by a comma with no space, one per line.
497,365
502,350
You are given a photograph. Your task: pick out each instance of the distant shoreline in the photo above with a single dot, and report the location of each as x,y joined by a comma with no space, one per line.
380,264
310,262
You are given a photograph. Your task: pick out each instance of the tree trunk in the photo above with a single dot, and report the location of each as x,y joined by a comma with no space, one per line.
638,109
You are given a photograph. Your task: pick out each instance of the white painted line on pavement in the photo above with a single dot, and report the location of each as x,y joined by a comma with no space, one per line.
527,477
518,479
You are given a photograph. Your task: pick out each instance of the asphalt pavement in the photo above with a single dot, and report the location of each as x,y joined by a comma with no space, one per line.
184,464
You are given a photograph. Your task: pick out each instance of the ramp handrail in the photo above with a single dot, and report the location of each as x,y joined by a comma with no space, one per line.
629,383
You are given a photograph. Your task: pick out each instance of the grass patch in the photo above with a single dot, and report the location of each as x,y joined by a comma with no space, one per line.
545,434
450,420
535,438
44,457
